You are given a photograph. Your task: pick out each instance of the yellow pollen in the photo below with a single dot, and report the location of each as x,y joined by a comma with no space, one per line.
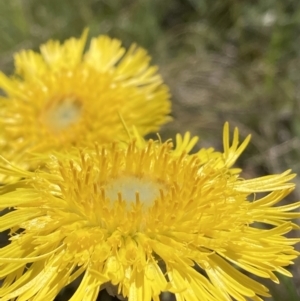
132,189
61,112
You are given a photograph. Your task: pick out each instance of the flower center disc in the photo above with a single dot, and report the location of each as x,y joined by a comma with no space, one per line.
62,112
129,186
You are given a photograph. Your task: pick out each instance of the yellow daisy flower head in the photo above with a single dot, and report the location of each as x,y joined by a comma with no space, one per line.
145,218
63,97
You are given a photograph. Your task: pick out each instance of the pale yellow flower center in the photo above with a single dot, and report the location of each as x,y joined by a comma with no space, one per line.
131,188
62,112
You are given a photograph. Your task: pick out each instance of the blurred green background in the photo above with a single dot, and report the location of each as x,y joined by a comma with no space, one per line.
224,60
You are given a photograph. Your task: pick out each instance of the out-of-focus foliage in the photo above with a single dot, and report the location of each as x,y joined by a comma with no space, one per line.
235,60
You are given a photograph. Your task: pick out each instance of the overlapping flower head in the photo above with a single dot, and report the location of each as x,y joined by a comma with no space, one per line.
63,97
145,217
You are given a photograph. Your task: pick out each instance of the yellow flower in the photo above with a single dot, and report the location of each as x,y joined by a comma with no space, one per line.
145,218
63,97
